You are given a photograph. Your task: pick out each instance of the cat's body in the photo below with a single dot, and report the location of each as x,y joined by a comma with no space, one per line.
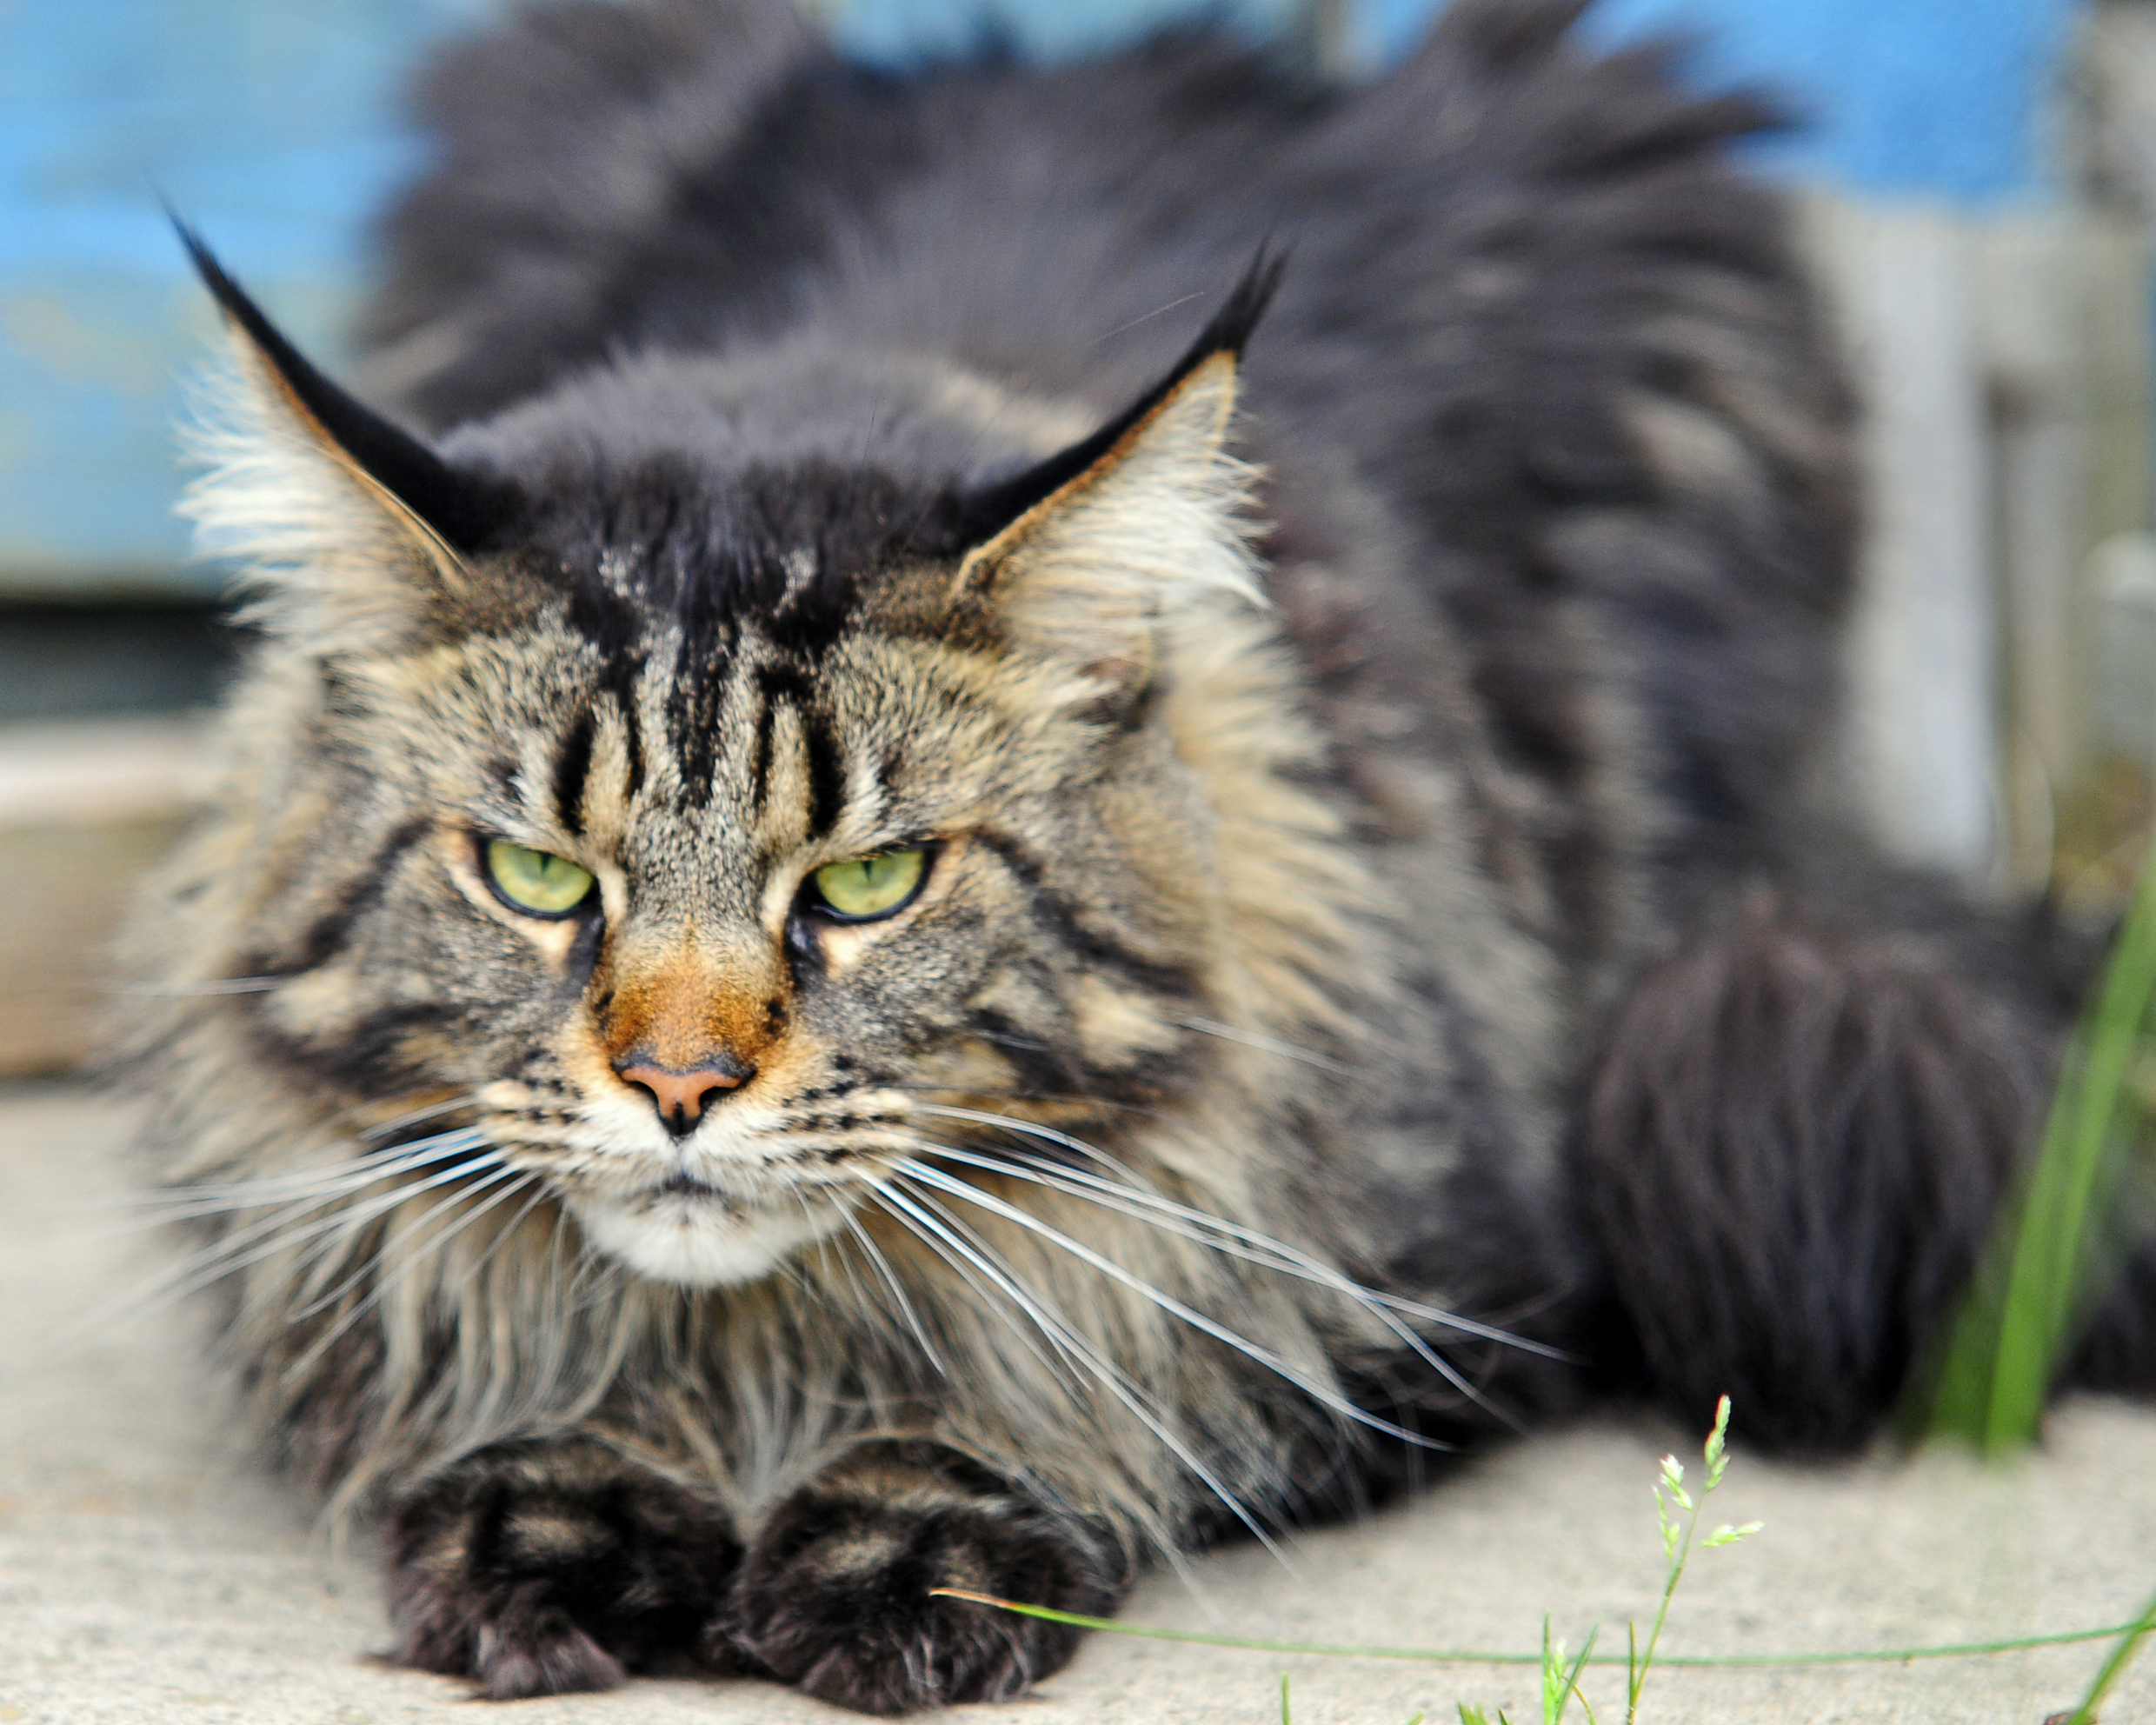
1372,871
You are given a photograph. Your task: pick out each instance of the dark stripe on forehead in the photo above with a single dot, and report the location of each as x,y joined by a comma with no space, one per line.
571,767
826,774
618,677
760,762
779,683
696,712
326,936
633,739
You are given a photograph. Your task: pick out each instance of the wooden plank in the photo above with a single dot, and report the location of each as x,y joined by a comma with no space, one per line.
85,810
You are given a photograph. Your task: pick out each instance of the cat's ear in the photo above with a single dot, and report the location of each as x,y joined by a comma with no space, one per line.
1082,555
354,529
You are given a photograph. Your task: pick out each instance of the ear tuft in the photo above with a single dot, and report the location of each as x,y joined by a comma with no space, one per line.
460,511
1101,545
354,529
1226,332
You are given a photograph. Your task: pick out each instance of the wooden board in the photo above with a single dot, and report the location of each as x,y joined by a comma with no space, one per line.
85,810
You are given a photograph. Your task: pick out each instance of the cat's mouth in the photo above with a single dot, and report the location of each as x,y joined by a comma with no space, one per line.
690,1231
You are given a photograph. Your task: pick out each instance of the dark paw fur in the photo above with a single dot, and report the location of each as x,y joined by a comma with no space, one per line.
835,1595
538,1573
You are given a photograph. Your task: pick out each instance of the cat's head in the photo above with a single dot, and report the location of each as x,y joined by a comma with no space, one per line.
719,816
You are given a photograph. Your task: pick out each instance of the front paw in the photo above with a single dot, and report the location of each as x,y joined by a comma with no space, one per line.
835,1596
538,1571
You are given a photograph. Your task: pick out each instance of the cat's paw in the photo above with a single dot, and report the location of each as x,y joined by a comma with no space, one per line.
539,1571
835,1594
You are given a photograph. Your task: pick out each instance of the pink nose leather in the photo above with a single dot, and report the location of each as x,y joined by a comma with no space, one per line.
681,1097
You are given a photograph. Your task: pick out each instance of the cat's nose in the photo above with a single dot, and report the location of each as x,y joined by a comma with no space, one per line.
680,1096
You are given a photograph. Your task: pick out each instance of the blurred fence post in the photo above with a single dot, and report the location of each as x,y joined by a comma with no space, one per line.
2003,365
1921,734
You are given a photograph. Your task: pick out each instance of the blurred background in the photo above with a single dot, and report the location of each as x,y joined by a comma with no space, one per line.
1977,178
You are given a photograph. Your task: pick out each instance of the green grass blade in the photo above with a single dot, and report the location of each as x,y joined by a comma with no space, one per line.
2021,1312
2128,1645
1889,1655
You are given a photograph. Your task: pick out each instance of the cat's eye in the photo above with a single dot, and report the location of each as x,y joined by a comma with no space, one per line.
537,882
868,887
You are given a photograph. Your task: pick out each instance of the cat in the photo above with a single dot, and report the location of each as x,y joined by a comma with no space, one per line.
1025,815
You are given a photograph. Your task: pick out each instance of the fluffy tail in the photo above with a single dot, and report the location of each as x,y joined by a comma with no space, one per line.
1796,1140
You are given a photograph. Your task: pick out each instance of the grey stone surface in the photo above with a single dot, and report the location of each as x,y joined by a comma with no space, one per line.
149,1573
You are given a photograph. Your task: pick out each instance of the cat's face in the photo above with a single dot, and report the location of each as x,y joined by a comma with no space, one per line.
713,865
703,1020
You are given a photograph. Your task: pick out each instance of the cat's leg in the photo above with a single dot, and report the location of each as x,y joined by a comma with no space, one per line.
540,1568
1795,1141
834,1593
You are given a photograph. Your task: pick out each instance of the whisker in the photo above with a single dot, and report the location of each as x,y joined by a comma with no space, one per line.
979,437
898,1293
416,1115
1250,1236
1253,1039
1011,1122
359,1272
988,1279
1157,312
210,1199
1216,1235
225,1244
918,1170
222,985
427,1250
1111,1376
1081,1098
200,1270
1252,1246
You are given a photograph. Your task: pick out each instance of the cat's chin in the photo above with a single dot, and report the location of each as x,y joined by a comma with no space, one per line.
696,1243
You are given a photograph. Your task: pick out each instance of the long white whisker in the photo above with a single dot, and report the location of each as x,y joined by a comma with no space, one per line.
359,1271
221,985
918,1170
221,1257
1248,1236
1264,1044
1061,1337
1217,1235
427,1249
889,1278
978,1280
1070,1346
200,1270
503,1236
1111,1376
182,1203
385,1127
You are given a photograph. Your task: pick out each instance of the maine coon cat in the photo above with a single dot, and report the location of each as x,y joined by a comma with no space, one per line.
1025,813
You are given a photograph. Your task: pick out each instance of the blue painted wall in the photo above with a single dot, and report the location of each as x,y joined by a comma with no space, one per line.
274,124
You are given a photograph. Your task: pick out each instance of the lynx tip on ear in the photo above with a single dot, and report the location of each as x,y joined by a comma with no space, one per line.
1227,331
462,512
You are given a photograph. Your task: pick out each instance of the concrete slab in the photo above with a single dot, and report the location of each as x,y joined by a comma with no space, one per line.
150,1574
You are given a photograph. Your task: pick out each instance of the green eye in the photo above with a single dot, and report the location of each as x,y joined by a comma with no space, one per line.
871,886
535,881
